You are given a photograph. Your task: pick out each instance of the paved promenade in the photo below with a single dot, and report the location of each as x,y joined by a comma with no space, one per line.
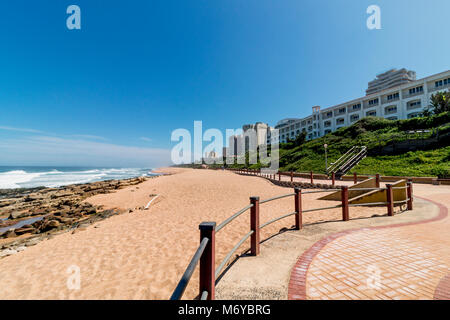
405,261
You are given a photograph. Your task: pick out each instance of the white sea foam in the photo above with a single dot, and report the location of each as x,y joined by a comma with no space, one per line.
11,179
57,178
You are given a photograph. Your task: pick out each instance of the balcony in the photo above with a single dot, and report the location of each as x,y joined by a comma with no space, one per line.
390,111
414,105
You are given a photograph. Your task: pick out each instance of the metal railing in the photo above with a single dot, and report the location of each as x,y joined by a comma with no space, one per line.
205,253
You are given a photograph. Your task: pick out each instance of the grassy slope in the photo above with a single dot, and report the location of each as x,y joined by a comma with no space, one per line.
373,133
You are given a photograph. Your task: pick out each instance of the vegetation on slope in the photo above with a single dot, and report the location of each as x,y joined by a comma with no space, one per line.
432,159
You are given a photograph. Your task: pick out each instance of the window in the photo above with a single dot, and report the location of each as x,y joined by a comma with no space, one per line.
373,102
340,121
393,96
372,113
413,115
392,118
327,124
327,131
297,125
390,109
441,83
416,90
309,121
414,104
341,110
354,117
327,115
356,106
303,123
310,128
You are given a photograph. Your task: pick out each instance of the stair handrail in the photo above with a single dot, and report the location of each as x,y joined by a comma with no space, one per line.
352,158
346,158
351,163
334,165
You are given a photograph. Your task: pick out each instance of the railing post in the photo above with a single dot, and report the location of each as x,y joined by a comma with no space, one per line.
279,176
254,226
333,178
207,260
312,177
355,178
377,180
344,198
292,176
298,209
390,200
409,195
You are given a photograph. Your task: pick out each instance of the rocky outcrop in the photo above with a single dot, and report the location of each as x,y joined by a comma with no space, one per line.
53,210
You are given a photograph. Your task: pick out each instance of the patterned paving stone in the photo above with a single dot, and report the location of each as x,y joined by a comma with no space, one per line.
403,261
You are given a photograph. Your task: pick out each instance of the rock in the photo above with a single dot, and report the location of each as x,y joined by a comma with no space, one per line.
53,224
32,242
7,252
4,203
18,214
18,249
23,230
10,234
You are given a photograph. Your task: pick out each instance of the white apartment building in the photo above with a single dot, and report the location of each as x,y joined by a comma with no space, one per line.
404,101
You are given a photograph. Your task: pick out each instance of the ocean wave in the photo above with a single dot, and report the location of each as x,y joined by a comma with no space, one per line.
57,178
13,179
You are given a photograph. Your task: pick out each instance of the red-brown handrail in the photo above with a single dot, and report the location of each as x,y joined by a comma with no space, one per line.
205,254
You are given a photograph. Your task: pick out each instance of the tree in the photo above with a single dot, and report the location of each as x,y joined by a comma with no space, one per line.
300,139
439,102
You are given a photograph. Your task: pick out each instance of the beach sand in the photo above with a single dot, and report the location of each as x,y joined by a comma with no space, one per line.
142,254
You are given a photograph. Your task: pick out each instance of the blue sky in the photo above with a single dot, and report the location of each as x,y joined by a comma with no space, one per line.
112,92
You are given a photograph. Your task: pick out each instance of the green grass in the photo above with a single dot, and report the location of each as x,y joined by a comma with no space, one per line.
374,133
418,163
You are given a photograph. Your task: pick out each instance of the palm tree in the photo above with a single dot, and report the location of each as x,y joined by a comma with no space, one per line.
440,102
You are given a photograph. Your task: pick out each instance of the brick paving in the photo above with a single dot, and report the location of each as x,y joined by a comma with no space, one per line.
397,262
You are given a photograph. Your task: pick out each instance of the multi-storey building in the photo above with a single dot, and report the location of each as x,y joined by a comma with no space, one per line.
403,101
390,79
260,129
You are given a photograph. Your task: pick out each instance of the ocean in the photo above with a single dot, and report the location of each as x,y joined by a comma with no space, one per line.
30,177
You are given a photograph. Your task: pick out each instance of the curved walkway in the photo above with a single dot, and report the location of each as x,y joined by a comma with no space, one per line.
403,261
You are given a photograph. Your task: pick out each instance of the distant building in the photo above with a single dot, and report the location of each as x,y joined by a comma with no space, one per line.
235,145
260,129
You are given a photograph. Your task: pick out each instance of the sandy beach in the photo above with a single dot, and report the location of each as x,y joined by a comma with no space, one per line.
142,254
